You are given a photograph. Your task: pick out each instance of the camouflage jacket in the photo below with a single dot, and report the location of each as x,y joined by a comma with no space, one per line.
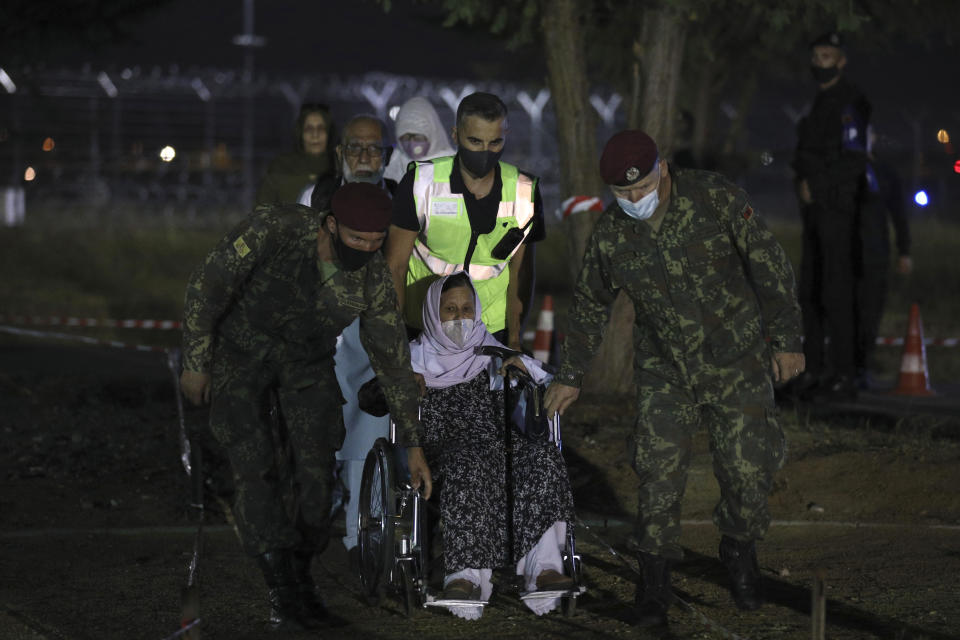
710,286
261,293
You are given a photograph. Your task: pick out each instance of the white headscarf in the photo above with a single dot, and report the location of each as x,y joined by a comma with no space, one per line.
442,361
417,115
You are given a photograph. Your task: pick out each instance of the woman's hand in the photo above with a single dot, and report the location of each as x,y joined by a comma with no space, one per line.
419,471
516,361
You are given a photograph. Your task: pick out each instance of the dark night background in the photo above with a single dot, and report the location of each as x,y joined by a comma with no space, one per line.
914,87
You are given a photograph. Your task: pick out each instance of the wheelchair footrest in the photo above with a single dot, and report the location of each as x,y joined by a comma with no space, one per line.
433,601
554,593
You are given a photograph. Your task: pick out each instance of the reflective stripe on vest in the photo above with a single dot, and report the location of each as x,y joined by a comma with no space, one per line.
441,245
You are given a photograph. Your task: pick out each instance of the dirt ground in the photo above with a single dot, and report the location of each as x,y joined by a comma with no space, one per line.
96,533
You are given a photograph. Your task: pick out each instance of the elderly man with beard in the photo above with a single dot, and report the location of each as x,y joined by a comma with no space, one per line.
361,157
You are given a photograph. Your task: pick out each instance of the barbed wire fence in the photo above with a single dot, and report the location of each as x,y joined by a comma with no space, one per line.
83,146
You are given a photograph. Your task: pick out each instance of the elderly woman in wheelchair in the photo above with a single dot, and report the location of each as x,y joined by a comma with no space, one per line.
504,497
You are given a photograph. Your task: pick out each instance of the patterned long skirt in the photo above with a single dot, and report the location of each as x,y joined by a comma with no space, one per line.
465,441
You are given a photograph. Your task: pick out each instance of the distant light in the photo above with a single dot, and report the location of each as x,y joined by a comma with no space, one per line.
7,82
201,89
943,137
168,153
956,166
48,144
394,110
30,174
766,158
921,198
107,84
249,40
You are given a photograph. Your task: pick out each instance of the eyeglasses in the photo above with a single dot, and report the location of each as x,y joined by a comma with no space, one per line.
354,149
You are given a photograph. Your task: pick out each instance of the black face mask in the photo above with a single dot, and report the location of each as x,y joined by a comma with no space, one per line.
478,163
824,75
351,259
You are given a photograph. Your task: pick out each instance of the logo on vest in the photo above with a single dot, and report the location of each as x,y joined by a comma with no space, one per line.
444,208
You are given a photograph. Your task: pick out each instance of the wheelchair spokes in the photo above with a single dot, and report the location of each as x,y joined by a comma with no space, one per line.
375,521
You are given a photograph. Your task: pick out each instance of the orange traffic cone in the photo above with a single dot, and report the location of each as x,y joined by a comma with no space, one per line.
913,366
544,335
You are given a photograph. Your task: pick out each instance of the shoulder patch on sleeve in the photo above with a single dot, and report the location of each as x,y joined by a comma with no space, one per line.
747,212
241,247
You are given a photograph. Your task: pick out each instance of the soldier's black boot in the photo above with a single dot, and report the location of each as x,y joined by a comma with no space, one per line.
746,584
286,611
309,593
654,596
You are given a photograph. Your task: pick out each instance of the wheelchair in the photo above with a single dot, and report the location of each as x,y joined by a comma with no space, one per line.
393,532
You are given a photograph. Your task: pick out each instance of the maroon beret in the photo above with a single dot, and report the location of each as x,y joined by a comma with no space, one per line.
362,206
627,157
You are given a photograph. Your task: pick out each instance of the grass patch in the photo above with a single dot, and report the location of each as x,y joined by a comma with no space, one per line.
934,285
141,272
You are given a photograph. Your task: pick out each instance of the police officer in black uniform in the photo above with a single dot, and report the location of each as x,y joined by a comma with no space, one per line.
830,162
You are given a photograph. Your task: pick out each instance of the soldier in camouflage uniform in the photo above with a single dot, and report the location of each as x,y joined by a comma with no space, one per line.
261,317
716,318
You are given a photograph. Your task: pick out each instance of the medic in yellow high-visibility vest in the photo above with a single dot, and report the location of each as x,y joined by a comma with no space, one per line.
468,212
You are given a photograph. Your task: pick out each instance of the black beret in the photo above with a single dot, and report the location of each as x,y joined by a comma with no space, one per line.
362,206
828,39
627,157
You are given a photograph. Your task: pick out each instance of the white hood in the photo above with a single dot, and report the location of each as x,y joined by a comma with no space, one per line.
417,115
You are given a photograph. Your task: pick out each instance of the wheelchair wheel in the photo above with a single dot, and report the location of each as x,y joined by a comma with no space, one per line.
571,565
377,507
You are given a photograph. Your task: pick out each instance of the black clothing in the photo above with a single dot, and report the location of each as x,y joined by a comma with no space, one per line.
482,212
831,158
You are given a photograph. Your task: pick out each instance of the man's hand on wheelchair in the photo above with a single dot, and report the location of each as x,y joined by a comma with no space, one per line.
195,386
559,397
419,471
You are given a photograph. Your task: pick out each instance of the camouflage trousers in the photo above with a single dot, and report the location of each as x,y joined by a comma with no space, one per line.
746,442
267,515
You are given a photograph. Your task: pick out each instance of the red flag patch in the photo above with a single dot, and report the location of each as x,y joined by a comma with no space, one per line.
747,213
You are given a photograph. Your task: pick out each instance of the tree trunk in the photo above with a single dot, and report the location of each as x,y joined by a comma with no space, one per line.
576,120
576,132
664,35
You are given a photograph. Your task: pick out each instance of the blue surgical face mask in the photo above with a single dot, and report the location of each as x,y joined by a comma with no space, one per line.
642,208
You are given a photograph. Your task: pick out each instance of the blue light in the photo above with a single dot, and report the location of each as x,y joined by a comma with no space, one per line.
921,198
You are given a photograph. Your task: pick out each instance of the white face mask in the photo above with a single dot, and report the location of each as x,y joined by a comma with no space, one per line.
642,208
457,330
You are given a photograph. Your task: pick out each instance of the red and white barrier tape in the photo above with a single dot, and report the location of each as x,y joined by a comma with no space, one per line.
887,342
110,323
66,321
84,339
